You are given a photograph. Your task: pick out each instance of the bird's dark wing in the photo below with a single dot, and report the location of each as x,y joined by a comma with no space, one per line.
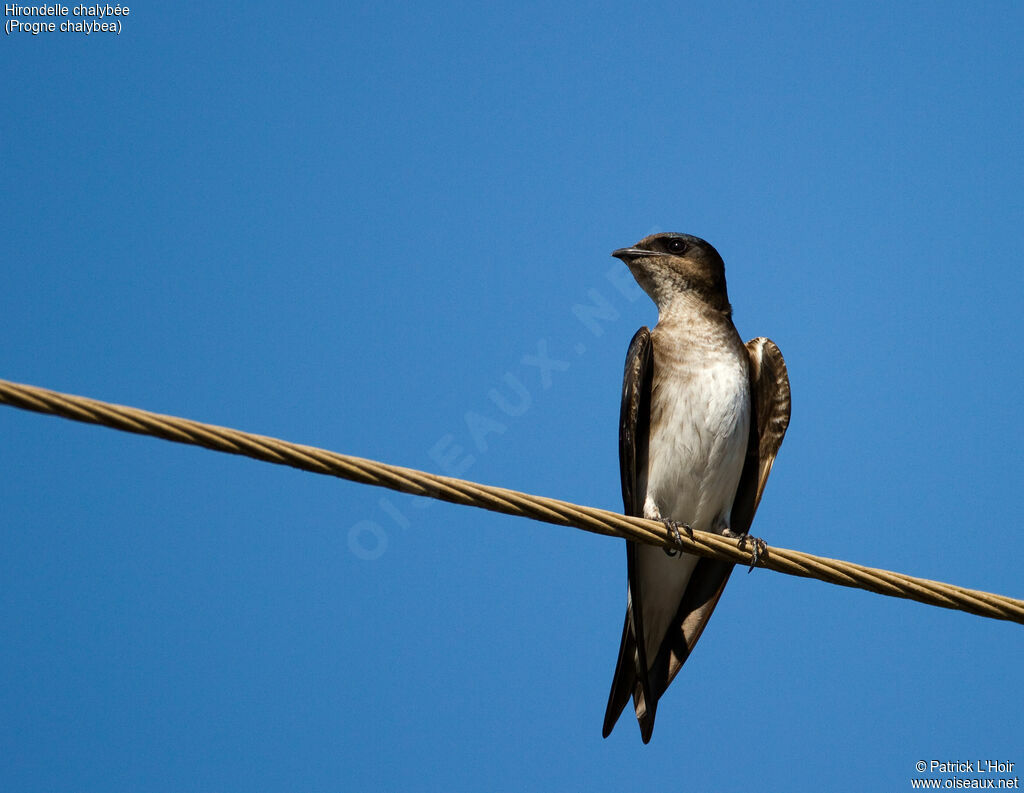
702,594
769,395
634,430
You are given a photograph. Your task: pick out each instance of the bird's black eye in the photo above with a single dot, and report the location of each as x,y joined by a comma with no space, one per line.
676,245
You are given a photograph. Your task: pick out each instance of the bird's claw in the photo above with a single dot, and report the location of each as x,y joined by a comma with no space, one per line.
673,529
760,549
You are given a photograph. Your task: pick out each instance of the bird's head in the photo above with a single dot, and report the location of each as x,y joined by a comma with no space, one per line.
671,267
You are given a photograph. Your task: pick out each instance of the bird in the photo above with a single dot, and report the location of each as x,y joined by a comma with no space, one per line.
701,421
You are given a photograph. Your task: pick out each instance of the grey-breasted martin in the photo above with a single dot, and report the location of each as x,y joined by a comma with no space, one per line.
702,418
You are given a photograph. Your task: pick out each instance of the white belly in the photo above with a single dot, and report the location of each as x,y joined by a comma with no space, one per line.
696,453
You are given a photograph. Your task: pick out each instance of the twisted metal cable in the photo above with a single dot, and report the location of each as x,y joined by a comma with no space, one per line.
499,499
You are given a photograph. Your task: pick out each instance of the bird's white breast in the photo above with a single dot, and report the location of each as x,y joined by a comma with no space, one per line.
699,435
700,423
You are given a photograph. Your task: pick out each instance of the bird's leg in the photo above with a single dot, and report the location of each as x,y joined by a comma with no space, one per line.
760,548
651,512
673,529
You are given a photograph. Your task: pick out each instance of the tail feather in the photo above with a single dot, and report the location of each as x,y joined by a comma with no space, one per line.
624,680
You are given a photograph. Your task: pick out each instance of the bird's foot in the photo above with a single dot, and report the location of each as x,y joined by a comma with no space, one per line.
673,529
760,549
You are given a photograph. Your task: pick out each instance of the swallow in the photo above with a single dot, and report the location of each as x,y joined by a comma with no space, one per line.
702,418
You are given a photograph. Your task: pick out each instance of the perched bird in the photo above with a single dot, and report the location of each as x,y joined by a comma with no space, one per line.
702,418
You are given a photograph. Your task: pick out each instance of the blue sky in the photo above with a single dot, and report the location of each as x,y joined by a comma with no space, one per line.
347,225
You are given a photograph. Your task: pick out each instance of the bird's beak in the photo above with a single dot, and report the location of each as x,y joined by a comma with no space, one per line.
626,254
